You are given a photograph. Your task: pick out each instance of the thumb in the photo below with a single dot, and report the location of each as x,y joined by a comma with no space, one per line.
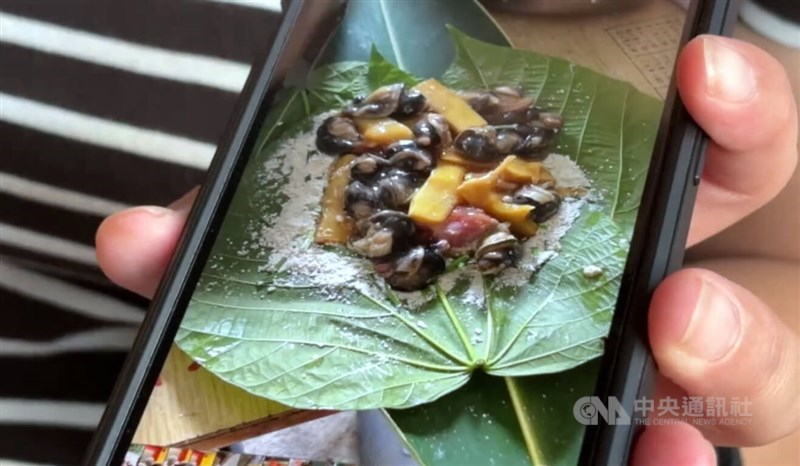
714,338
134,246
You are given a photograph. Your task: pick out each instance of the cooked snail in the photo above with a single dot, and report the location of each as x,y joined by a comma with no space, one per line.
412,159
386,232
395,188
431,130
544,201
493,143
360,200
398,146
393,100
339,135
367,166
412,270
497,251
507,105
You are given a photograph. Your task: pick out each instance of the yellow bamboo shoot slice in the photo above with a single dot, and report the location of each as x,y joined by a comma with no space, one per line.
456,111
334,225
383,131
437,197
451,155
525,172
482,192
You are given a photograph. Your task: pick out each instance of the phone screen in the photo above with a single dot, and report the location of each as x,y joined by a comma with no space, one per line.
433,223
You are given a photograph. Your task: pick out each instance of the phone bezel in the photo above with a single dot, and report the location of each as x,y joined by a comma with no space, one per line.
304,22
656,250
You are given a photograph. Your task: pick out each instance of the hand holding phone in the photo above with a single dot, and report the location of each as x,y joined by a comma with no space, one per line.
713,103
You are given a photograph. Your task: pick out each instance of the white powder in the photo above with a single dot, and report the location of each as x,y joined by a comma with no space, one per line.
300,261
545,244
565,171
290,233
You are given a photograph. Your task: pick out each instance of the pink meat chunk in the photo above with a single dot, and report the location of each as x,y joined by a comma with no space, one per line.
464,227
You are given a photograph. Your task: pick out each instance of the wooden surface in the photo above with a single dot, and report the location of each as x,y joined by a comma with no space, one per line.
192,407
638,46
195,408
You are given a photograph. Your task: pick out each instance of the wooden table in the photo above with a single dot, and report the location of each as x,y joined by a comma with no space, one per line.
191,407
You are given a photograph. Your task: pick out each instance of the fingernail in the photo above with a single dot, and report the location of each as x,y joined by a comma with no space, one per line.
153,210
729,76
714,326
184,204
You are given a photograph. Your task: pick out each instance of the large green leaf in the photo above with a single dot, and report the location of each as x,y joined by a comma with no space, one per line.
312,348
609,126
347,349
495,420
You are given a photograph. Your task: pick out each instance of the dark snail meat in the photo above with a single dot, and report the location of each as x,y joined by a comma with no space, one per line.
431,130
497,251
492,143
414,160
339,135
414,269
544,201
360,200
395,188
393,100
507,105
387,232
367,166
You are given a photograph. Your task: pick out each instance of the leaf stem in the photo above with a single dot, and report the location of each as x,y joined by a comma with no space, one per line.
306,105
489,317
456,324
419,332
525,424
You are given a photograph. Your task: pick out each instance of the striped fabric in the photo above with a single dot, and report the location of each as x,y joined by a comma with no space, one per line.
103,105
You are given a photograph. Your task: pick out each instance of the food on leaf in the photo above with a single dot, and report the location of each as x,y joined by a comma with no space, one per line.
484,192
383,131
392,100
492,143
432,180
339,135
334,224
431,130
524,171
437,197
497,251
507,105
464,228
455,110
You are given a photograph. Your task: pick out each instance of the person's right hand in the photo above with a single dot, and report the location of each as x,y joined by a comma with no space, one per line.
709,336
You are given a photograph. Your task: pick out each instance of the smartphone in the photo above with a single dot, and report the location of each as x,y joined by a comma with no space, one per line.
409,214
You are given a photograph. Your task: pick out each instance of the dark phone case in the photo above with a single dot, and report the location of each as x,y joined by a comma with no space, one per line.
304,29
657,248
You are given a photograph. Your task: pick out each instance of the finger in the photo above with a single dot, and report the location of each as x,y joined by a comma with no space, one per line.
670,445
714,338
135,245
742,98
